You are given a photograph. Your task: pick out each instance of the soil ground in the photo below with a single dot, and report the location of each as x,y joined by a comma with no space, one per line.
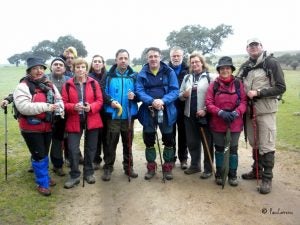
186,199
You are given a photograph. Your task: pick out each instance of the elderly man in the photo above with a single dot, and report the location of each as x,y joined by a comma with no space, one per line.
181,69
264,81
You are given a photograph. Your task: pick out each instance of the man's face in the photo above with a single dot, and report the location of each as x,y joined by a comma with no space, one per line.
254,50
153,58
176,57
58,68
122,61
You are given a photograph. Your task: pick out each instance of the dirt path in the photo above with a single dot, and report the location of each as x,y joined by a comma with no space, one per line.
185,200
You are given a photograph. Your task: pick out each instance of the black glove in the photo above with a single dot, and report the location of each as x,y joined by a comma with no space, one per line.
228,117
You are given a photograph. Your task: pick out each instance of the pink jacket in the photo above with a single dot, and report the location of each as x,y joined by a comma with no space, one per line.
225,98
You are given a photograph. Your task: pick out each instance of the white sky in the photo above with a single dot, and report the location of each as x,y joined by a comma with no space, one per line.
104,26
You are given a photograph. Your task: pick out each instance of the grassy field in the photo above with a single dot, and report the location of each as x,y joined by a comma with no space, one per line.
19,204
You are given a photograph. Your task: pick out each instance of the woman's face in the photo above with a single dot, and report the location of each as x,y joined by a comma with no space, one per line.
80,70
37,72
225,71
97,64
196,65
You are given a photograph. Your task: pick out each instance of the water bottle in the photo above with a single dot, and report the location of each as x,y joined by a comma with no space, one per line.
160,116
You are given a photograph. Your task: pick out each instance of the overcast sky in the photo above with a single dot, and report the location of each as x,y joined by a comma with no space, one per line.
104,26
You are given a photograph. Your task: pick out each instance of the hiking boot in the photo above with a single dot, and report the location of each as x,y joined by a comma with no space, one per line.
149,174
90,179
266,186
151,166
233,181
71,182
132,173
219,180
106,175
43,191
52,182
59,171
96,166
192,170
251,175
205,175
167,171
183,165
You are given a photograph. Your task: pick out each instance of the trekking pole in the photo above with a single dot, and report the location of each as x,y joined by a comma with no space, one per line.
84,148
225,166
5,127
255,141
157,140
207,150
129,138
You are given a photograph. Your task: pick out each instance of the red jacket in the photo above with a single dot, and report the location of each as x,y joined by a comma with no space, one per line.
43,126
223,99
70,98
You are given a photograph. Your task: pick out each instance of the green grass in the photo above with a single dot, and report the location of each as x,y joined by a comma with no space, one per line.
288,124
21,204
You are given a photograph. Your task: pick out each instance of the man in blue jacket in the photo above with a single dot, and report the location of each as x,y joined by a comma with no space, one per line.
120,109
157,88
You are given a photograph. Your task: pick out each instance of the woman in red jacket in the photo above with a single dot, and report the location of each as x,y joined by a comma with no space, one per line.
226,102
83,100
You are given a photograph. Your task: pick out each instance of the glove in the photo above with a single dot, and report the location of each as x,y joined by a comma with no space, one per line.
226,116
235,114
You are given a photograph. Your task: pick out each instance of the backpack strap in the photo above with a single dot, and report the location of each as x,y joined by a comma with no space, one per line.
93,87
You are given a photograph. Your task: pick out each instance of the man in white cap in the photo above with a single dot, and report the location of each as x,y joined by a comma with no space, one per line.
263,80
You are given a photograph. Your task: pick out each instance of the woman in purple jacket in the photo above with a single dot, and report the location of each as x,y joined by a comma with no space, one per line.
226,102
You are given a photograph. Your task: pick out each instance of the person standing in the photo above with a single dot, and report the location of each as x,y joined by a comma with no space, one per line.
121,110
98,71
57,77
181,69
192,92
264,81
36,98
226,102
83,100
157,88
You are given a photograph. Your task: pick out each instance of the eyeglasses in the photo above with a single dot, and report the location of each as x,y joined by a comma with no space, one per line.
195,62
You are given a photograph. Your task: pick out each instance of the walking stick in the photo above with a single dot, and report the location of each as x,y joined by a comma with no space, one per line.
84,147
5,127
206,147
129,138
225,166
158,145
254,124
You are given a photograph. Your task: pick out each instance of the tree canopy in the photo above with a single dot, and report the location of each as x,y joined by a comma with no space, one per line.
196,37
47,49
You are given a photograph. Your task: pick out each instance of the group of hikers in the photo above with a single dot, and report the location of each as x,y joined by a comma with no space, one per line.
192,108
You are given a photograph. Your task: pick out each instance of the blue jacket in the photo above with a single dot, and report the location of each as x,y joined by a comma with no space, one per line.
171,92
116,87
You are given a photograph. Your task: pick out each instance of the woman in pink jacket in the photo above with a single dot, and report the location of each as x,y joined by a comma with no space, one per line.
83,100
226,102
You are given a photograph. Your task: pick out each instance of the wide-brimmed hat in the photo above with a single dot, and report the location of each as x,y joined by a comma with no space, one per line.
35,61
253,40
225,61
58,59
